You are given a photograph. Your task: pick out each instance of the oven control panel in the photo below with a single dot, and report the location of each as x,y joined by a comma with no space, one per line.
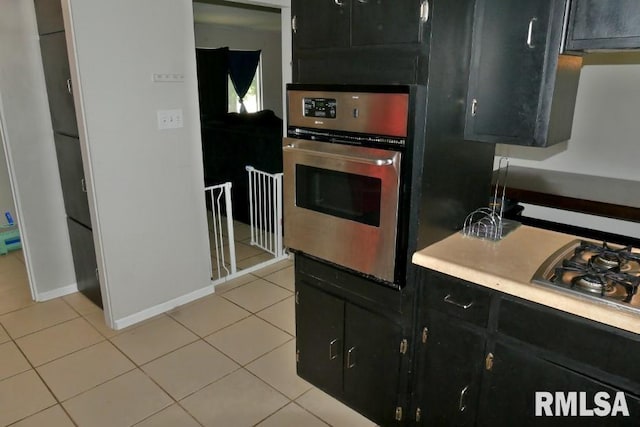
320,107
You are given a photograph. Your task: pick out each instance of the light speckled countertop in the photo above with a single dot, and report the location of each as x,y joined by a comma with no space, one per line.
508,266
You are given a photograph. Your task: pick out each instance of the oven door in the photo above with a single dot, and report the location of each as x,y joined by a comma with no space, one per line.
341,204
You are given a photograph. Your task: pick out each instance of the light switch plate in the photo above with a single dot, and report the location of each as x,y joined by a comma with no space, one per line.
170,119
167,77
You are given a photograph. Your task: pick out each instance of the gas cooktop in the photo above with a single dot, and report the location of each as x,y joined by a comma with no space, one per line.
609,274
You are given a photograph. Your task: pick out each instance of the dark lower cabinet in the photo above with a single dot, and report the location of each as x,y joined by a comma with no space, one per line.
604,25
449,377
471,372
84,261
320,338
349,352
74,188
517,374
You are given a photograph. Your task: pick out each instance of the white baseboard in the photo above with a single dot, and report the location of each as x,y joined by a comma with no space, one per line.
161,308
56,293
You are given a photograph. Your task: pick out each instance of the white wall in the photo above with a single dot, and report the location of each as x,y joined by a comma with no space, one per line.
147,192
28,140
605,139
214,36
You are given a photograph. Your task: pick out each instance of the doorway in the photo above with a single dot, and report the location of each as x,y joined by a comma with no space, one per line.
232,141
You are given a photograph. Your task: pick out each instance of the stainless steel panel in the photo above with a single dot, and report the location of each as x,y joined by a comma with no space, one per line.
365,248
363,112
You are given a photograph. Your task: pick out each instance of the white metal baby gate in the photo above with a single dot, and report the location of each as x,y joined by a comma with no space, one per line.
223,267
265,218
265,211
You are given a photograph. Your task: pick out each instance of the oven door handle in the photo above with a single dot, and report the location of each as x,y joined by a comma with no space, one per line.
320,153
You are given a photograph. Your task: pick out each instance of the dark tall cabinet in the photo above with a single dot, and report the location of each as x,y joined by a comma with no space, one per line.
67,144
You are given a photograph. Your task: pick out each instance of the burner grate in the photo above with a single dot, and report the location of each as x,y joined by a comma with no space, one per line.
597,269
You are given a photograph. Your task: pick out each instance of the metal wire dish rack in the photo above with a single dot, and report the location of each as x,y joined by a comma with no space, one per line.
488,222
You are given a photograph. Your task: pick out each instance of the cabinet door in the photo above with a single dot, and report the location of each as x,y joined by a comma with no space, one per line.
319,337
321,23
72,178
514,62
372,364
385,22
84,261
450,364
57,77
515,377
49,16
597,24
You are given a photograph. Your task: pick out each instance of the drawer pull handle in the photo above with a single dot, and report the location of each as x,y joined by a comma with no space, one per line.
463,394
530,33
450,300
333,349
351,358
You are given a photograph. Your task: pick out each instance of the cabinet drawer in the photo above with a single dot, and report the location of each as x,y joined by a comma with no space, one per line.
456,297
575,342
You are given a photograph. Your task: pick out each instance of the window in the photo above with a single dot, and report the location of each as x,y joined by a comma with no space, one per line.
253,98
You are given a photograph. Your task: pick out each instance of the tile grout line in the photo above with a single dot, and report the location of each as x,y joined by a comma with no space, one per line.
33,368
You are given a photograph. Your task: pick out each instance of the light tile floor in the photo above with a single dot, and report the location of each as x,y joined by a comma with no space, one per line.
224,360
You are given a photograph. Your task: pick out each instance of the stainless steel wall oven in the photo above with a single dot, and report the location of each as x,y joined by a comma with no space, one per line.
347,174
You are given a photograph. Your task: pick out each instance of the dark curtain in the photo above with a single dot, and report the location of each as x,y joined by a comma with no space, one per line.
242,67
212,68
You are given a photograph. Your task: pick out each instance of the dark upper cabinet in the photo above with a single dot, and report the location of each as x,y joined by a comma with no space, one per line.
49,16
450,374
74,189
349,352
386,22
360,41
521,91
344,23
58,80
321,23
84,261
597,24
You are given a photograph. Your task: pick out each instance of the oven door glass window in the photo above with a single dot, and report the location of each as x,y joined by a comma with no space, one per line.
339,194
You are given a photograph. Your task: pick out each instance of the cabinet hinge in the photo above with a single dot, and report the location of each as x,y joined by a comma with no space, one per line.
69,87
424,11
399,413
97,274
297,297
404,346
418,414
297,356
488,362
294,26
425,334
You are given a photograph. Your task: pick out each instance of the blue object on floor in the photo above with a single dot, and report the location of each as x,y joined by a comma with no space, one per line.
10,237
